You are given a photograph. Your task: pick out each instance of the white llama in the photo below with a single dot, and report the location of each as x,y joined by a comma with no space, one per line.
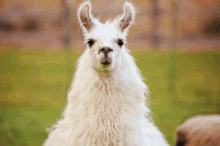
106,103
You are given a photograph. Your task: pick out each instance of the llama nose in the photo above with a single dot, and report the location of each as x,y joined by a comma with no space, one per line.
105,50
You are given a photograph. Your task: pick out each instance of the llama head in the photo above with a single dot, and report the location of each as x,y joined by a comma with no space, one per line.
105,41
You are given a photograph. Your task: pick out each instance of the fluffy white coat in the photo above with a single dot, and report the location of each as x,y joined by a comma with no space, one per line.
106,106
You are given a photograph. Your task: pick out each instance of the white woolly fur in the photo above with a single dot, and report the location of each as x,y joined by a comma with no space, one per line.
106,107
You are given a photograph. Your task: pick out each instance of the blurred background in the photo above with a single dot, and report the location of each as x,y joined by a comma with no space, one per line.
176,45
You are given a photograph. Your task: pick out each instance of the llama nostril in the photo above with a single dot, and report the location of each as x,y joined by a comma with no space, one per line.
105,50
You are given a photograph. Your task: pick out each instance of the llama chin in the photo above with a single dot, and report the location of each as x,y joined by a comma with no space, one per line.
106,102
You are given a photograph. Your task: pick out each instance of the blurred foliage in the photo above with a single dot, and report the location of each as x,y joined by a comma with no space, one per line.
33,87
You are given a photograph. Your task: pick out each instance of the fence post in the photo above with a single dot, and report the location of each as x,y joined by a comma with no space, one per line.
155,15
172,69
66,37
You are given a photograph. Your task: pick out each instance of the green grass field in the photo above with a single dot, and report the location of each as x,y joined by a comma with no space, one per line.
33,88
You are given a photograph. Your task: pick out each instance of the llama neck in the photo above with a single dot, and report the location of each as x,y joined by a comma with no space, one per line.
124,86
106,105
106,98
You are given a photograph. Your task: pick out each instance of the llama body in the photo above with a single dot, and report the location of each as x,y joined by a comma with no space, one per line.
203,130
106,103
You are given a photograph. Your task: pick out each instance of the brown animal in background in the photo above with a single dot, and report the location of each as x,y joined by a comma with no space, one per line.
199,131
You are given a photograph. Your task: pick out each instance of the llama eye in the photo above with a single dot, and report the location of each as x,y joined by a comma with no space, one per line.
90,42
120,42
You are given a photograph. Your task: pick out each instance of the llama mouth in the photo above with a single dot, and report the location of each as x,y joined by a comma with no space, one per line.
106,63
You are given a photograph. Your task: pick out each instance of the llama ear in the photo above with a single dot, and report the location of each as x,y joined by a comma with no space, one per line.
128,16
85,16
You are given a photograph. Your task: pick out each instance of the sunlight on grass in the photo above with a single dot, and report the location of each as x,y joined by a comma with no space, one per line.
33,88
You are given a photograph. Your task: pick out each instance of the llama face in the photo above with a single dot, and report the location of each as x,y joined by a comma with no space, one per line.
105,41
105,44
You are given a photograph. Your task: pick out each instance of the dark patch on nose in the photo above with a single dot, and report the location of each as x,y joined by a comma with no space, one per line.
180,143
181,138
105,50
106,63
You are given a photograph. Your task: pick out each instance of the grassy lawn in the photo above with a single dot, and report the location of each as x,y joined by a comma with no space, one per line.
33,88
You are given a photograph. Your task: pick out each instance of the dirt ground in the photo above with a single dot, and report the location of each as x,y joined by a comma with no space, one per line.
49,31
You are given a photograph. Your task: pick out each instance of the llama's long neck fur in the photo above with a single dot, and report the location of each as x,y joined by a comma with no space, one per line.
106,106
106,102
